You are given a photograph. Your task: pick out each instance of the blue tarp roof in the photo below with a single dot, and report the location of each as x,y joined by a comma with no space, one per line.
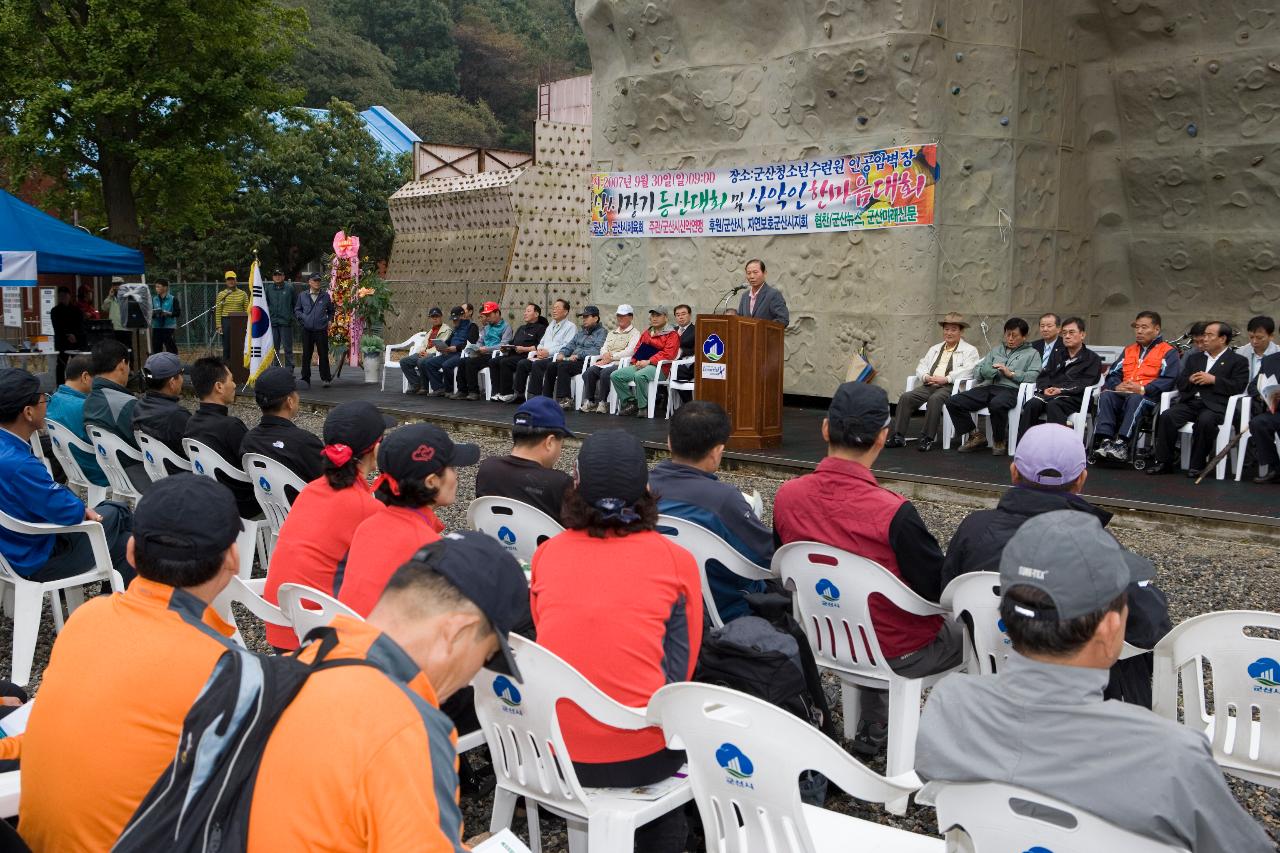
59,247
393,135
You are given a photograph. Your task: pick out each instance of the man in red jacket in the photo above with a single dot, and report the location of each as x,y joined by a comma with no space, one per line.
841,504
660,342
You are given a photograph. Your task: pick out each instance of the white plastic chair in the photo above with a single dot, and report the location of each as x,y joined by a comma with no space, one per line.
412,345
577,387
948,430
1246,414
63,440
157,458
1025,391
996,818
111,453
519,527
1228,424
37,450
207,462
522,729
294,597
10,790
28,595
271,482
745,759
706,546
1244,728
832,591
670,383
249,594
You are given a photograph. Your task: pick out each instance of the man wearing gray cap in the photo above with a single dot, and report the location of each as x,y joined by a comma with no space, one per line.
1042,723
159,414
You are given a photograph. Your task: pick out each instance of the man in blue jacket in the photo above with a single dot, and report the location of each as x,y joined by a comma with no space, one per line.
314,311
687,487
66,407
28,493
437,371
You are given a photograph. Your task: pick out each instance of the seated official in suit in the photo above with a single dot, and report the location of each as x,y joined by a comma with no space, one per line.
1205,384
1265,424
1060,386
761,300
945,364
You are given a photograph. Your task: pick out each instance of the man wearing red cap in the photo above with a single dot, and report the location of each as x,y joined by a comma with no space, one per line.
497,333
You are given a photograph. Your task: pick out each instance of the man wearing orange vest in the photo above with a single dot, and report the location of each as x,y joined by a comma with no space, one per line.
1145,370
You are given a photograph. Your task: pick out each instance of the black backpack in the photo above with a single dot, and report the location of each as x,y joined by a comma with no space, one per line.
223,738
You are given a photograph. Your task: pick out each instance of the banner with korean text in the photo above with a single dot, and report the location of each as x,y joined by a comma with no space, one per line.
876,189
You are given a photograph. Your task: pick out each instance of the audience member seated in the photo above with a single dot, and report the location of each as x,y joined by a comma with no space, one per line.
1048,474
276,436
418,472
529,473
110,404
1042,723
28,493
552,378
1206,382
619,344
687,487
1060,386
659,342
558,335
688,341
159,414
317,533
841,504
496,334
502,375
1146,369
386,780
1049,340
1196,332
946,363
435,374
1260,345
138,660
1012,362
1264,426
213,426
621,603
66,407
435,330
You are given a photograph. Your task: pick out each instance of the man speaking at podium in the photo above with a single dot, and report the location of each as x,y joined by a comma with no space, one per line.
761,300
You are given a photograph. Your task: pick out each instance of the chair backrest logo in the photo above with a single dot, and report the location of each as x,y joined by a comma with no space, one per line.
199,467
1266,674
151,458
1038,849
506,536
828,592
264,484
735,762
505,689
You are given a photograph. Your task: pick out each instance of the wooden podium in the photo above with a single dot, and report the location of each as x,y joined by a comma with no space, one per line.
739,366
237,324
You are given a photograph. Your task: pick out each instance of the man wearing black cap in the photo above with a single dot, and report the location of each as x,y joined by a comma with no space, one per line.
158,413
314,312
280,302
386,781
214,426
842,505
435,374
552,377
1041,722
145,655
28,493
529,473
409,364
276,436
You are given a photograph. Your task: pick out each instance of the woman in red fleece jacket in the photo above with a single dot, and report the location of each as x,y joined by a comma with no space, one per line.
622,604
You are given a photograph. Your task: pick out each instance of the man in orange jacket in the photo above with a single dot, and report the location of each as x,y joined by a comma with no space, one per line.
1145,370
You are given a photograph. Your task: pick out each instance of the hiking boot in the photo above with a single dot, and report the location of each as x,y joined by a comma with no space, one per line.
977,441
602,408
566,403
871,738
630,410
587,406
895,440
1000,448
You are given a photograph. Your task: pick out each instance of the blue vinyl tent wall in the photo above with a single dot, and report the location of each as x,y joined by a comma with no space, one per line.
59,247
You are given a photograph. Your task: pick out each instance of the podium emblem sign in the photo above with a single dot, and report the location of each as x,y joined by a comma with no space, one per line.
713,348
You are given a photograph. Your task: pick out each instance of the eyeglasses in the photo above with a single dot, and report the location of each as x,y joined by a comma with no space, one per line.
40,400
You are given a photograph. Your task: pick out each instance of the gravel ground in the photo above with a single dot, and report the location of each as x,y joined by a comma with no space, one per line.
1200,574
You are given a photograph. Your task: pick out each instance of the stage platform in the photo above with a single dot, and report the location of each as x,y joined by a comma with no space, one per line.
933,474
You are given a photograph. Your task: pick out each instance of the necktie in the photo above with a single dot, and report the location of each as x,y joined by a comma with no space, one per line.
1044,358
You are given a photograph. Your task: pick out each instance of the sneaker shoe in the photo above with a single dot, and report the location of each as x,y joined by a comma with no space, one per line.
629,410
602,408
1000,448
587,406
325,384
474,395
456,395
567,404
977,441
871,738
504,398
439,393
895,440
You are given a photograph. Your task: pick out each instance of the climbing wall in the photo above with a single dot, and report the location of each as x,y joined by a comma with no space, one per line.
1098,156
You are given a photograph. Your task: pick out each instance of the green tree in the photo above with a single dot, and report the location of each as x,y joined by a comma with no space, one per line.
148,94
415,34
449,119
337,63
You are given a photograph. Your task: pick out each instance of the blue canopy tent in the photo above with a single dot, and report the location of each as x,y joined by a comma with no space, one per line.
59,247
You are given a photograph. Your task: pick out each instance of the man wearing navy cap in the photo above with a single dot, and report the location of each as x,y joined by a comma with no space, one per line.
28,493
841,504
529,473
158,413
1041,723
276,436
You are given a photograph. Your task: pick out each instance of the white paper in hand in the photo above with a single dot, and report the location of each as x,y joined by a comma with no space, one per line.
504,842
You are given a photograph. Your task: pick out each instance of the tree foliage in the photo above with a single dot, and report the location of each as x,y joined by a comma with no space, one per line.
149,94
445,118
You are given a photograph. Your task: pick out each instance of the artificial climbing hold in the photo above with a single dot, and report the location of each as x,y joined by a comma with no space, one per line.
1004,121
862,119
955,90
1192,130
959,57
